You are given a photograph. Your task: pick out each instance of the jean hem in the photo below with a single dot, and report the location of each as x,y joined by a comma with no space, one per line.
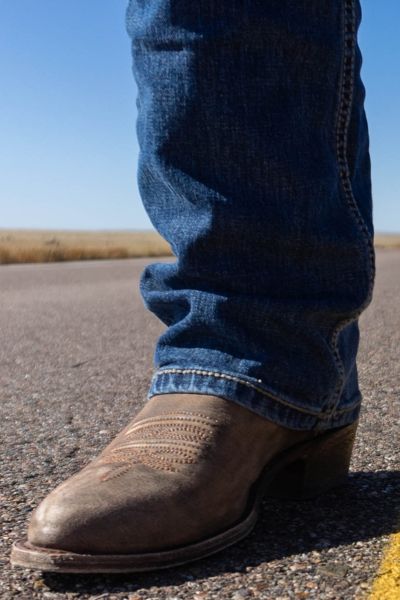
249,394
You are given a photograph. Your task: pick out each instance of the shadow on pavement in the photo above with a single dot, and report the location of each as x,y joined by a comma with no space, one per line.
367,507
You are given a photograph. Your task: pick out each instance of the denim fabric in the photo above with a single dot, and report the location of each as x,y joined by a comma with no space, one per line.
254,165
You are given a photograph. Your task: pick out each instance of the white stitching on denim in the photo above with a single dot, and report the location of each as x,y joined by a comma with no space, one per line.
342,127
251,385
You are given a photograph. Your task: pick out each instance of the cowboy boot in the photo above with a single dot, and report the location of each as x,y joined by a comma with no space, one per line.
182,481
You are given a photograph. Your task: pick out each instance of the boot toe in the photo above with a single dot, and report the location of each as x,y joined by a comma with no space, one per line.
87,516
56,523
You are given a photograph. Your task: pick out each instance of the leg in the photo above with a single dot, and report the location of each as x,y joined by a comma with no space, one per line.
254,165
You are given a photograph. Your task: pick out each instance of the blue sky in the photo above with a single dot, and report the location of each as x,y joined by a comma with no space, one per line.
67,114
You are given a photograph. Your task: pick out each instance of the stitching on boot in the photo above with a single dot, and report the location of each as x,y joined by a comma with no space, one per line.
164,444
185,417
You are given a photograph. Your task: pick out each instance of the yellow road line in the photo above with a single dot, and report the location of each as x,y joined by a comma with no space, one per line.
387,583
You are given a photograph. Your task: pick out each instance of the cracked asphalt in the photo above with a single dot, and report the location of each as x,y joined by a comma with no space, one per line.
75,363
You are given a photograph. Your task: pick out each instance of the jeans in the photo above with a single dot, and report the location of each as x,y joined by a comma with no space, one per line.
254,165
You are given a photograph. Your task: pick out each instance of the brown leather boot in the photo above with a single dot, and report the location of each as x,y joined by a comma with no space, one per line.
183,480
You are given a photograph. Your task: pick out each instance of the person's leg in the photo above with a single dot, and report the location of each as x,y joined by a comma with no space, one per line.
254,165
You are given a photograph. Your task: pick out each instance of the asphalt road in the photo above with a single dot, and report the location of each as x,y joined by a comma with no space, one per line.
75,362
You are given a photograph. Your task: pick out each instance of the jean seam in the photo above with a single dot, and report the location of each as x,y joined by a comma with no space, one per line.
346,94
230,377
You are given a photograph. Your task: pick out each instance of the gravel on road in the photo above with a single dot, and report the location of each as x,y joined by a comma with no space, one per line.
75,363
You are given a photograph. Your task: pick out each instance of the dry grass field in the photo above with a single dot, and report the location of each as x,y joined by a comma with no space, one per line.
32,246
387,240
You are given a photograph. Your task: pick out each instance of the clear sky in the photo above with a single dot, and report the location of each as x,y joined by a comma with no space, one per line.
67,114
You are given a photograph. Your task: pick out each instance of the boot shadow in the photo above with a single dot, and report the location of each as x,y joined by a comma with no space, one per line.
366,507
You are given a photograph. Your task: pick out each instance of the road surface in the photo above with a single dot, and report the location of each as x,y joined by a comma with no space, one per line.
75,362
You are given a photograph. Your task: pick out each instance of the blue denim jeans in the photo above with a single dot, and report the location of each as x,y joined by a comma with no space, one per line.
254,165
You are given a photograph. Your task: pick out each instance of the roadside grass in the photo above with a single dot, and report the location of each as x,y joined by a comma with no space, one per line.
34,246
39,246
387,240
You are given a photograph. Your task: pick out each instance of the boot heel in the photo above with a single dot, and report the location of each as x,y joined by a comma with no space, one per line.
316,467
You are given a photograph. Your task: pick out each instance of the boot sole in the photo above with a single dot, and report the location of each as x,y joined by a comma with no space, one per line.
301,472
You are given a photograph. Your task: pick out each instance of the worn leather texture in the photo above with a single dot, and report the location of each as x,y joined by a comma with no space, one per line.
180,472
